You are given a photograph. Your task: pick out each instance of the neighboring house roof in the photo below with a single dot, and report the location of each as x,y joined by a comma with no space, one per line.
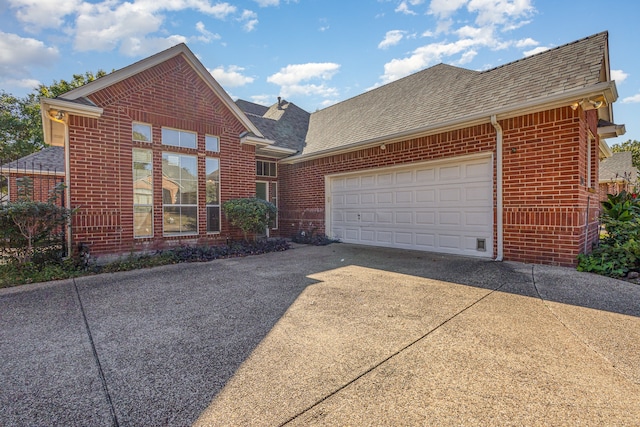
283,122
618,167
47,161
444,97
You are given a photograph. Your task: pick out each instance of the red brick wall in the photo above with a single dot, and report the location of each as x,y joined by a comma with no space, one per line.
42,186
170,94
544,193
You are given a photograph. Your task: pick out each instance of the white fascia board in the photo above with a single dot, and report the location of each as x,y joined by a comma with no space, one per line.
606,89
74,108
256,141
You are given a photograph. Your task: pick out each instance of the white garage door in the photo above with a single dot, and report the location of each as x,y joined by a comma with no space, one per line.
438,206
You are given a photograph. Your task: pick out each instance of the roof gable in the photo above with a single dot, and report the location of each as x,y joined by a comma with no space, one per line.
283,122
443,96
78,95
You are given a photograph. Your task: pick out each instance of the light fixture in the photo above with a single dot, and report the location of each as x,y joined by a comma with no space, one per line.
590,103
60,115
383,147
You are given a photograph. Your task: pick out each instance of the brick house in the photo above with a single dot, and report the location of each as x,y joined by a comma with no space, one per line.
39,174
617,173
501,163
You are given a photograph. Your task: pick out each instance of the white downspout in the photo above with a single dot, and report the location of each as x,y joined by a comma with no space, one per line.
499,213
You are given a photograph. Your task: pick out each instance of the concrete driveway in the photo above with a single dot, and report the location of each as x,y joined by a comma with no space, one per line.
336,335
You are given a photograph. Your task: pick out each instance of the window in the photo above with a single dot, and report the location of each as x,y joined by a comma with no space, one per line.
212,143
179,194
142,193
179,138
269,191
141,132
213,195
266,168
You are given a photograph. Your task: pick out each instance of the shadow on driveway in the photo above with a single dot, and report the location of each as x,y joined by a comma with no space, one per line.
168,340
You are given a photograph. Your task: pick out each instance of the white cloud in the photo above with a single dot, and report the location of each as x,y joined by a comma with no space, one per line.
536,50
619,76
445,8
403,7
308,89
291,79
250,19
501,12
632,99
205,35
526,42
294,74
265,100
18,54
231,77
392,38
134,46
267,3
43,13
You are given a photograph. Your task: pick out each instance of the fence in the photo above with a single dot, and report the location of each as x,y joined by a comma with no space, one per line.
39,180
31,180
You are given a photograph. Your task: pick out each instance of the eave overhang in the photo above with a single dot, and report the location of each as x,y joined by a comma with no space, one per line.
607,90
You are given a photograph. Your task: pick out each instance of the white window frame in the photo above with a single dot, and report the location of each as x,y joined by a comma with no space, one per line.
139,125
218,205
146,205
180,132
207,138
179,205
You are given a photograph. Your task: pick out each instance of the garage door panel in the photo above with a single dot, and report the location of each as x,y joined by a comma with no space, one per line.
404,218
426,241
478,170
449,173
427,195
404,196
404,177
449,241
425,218
450,218
403,238
444,207
425,175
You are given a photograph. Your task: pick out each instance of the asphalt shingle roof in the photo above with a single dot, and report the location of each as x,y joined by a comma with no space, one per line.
617,167
283,122
444,93
50,159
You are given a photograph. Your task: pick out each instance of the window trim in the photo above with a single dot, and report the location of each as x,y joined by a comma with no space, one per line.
180,205
179,131
270,163
133,124
218,205
135,205
217,144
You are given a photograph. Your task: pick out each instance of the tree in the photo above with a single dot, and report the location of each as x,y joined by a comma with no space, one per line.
20,120
629,145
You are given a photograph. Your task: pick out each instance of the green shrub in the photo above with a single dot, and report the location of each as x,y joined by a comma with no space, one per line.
619,249
251,215
31,231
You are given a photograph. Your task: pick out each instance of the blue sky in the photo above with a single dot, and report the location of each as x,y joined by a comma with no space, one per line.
313,53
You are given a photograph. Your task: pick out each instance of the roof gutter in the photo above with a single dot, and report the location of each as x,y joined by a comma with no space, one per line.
606,89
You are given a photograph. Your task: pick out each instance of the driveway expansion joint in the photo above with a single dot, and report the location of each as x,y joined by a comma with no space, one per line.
577,336
103,380
387,359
